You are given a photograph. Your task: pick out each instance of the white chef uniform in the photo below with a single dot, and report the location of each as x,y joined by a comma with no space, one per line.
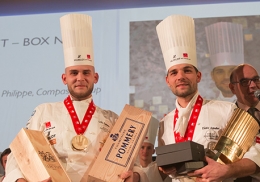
54,119
176,34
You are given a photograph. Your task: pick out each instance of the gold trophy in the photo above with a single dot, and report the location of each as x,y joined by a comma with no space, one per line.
236,138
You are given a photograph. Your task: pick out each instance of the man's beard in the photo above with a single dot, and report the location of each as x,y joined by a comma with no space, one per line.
185,93
81,95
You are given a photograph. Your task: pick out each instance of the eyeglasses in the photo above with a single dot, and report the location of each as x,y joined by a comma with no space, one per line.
246,82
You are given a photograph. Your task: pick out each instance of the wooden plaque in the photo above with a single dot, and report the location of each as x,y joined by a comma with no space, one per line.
122,146
36,158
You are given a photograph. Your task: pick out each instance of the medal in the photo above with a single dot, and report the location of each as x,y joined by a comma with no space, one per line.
79,142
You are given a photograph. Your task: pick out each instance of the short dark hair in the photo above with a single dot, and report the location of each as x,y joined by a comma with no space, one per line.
196,69
5,152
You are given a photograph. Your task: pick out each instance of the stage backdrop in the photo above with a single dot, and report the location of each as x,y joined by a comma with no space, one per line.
147,68
31,59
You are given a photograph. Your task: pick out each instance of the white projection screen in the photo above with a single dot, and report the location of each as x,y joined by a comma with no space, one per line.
127,57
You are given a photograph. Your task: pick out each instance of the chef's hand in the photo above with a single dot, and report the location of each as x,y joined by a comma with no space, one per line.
47,180
130,176
170,171
21,180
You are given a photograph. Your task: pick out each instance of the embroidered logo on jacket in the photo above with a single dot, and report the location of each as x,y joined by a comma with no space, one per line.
49,132
51,138
211,135
47,124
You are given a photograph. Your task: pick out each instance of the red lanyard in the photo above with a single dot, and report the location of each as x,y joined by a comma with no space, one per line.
192,122
80,128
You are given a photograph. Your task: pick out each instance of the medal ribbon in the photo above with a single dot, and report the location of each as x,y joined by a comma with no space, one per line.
192,122
80,128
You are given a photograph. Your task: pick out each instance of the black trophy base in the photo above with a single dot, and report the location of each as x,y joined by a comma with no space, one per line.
187,167
182,169
185,156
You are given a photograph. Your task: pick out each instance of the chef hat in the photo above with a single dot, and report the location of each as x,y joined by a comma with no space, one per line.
76,32
225,43
176,35
152,131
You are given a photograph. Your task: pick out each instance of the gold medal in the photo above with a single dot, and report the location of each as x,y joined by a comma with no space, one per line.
79,142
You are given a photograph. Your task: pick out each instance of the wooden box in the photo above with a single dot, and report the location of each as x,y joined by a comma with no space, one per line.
185,156
36,158
122,146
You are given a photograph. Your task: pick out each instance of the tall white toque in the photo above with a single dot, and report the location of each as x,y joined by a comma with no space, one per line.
225,43
152,131
176,35
76,32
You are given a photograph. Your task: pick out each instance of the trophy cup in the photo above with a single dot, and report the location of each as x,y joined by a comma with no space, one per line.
234,142
235,139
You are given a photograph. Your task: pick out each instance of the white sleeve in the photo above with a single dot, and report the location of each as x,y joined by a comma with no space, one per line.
34,123
254,151
254,155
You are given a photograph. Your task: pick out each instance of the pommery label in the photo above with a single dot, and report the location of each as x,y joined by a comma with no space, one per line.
124,142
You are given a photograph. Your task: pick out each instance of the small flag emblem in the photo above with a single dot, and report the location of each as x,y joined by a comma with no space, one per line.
48,124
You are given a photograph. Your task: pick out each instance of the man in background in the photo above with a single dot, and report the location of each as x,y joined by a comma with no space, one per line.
244,81
145,157
4,155
226,49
